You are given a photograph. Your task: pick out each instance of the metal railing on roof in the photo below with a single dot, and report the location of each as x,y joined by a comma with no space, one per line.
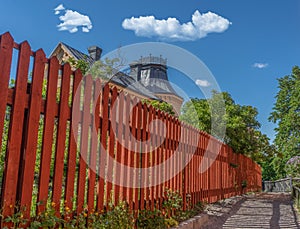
152,60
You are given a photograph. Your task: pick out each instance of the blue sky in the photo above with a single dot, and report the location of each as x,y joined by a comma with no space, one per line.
265,33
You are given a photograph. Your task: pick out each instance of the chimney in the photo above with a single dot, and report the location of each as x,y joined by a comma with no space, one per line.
95,52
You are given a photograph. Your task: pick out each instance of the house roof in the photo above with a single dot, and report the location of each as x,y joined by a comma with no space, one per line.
153,75
129,82
79,55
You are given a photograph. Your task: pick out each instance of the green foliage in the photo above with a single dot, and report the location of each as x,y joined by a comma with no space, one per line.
173,202
170,222
151,219
244,184
268,170
161,105
17,219
115,217
293,167
242,127
286,114
171,214
233,165
83,65
105,69
118,217
47,219
4,142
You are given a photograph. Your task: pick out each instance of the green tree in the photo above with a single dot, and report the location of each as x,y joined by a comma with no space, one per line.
105,69
286,114
83,65
242,128
161,105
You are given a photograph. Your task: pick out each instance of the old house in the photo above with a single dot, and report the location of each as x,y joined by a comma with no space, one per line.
147,78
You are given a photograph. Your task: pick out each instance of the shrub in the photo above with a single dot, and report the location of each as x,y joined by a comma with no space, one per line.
148,219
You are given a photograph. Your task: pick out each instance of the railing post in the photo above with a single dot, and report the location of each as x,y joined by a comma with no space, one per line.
291,184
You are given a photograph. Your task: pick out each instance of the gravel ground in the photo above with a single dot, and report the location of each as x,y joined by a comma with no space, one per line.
265,210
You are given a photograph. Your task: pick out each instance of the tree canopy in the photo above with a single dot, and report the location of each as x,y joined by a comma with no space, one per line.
160,105
286,114
242,127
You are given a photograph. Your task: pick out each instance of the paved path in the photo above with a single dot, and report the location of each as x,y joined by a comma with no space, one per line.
266,210
272,211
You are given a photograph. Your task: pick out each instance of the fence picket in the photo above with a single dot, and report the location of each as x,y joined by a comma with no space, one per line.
31,135
85,139
61,137
6,50
103,144
45,161
94,144
72,151
15,135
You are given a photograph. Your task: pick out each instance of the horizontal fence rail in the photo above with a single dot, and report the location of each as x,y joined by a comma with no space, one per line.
56,151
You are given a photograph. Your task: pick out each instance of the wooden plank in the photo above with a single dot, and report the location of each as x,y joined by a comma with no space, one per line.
173,162
61,138
156,156
45,160
6,50
103,146
180,163
31,136
111,147
15,134
153,163
137,134
143,154
167,151
84,142
185,170
127,175
131,153
120,154
192,180
160,160
72,151
94,145
134,153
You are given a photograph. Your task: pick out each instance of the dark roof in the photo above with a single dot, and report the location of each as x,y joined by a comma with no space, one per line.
153,76
79,55
129,82
158,86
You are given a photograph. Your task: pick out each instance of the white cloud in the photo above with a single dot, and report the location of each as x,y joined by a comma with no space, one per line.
58,9
172,29
202,83
72,19
260,65
85,30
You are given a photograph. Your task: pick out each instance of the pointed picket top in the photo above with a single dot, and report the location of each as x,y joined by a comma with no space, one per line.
25,45
6,39
41,54
77,71
54,60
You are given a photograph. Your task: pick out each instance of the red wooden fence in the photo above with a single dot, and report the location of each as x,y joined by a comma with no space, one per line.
42,162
